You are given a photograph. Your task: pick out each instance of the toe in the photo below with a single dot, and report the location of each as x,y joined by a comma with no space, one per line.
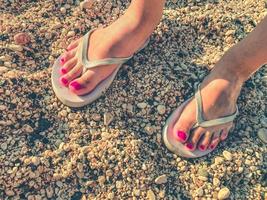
182,127
194,138
67,56
224,133
72,74
205,141
73,45
214,141
68,66
84,84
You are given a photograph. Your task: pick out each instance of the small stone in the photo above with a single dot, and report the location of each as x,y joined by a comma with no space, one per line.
199,192
111,195
10,192
86,4
142,105
96,117
119,184
3,107
63,10
49,192
101,180
108,118
218,160
161,109
71,34
262,134
149,129
203,172
150,195
216,182
227,155
36,160
161,179
224,193
3,70
22,38
28,128
240,170
15,47
229,32
3,146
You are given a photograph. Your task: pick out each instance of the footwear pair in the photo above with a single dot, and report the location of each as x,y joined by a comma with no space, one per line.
70,99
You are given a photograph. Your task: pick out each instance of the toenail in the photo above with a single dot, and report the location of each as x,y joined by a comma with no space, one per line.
63,71
76,85
62,60
64,81
212,146
189,146
202,147
181,135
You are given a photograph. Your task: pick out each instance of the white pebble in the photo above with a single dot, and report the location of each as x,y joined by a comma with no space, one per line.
224,193
161,179
161,109
262,134
227,155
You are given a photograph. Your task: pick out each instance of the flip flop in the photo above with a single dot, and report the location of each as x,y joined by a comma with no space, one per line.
69,98
179,148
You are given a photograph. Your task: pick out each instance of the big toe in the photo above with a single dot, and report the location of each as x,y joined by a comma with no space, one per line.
84,84
182,129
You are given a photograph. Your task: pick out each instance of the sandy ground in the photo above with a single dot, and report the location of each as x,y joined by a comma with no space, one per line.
112,149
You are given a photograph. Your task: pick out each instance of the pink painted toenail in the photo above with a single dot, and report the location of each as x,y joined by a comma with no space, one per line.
62,60
76,85
63,71
212,146
181,135
189,146
202,147
64,81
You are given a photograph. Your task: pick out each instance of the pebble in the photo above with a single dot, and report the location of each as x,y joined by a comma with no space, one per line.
218,160
262,134
3,107
28,128
150,195
96,117
142,105
199,192
49,192
149,129
108,118
224,193
216,182
227,155
119,184
22,38
71,34
87,4
111,195
36,160
63,10
161,109
3,146
15,47
3,70
161,179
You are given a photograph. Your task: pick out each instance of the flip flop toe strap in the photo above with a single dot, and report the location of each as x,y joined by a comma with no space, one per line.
200,122
83,58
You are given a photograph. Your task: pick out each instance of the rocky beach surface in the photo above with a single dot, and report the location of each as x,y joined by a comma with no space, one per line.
113,148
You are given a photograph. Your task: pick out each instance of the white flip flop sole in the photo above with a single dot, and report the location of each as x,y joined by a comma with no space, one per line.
73,100
172,143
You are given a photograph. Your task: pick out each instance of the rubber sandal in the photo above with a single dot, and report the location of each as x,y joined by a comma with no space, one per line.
179,148
69,98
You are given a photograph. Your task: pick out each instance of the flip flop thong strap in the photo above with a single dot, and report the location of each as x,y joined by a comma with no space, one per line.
215,122
83,49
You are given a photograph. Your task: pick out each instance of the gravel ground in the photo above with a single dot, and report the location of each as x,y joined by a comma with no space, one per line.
112,149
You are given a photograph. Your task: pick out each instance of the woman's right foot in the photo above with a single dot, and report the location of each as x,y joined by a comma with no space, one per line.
121,39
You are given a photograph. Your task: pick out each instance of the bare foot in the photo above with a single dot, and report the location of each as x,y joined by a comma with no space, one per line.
120,39
219,92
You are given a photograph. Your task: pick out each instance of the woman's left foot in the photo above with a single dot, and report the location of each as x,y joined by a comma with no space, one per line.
219,91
